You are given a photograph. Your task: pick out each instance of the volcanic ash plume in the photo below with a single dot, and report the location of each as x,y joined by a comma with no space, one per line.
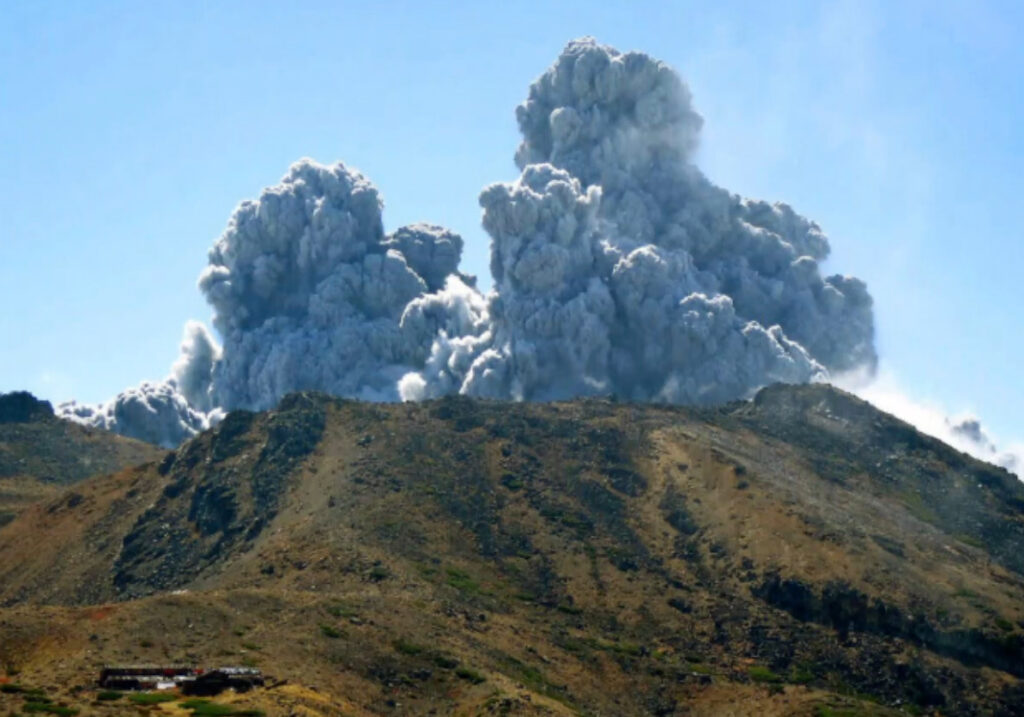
619,268
153,412
308,293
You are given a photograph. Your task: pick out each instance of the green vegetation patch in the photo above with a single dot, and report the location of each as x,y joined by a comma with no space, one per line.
862,711
1003,624
47,708
341,610
152,698
408,648
629,649
446,662
800,675
109,695
760,673
378,573
971,540
918,508
461,581
212,708
206,707
470,675
536,680
330,631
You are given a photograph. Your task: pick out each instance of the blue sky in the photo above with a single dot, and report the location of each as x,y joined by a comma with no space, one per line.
129,132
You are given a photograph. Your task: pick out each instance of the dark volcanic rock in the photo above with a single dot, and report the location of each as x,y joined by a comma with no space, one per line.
848,610
223,488
23,407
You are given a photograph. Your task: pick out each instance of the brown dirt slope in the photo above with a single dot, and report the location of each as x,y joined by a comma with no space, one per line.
799,554
40,454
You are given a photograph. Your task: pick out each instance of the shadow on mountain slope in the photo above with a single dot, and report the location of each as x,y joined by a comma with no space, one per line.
796,554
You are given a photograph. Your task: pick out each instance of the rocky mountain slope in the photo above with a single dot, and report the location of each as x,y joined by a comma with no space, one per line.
802,553
40,454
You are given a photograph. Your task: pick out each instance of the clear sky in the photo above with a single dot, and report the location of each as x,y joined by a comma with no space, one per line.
129,132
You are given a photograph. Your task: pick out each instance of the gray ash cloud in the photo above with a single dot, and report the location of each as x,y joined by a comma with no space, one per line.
618,268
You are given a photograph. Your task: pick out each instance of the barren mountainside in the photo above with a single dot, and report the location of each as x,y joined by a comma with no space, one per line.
802,553
41,454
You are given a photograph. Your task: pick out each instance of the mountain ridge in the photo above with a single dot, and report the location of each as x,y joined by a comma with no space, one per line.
796,553
41,454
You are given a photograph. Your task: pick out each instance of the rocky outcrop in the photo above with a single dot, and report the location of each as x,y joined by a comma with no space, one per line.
23,407
223,488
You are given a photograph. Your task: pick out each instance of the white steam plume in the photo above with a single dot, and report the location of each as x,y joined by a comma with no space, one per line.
964,432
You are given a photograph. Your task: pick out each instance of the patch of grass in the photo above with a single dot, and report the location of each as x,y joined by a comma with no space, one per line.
11,688
917,507
630,649
212,708
378,573
152,698
470,675
446,662
48,708
760,673
206,707
408,648
251,646
1003,624
340,610
537,681
828,711
330,631
971,540
427,571
572,644
511,482
461,581
800,676
109,695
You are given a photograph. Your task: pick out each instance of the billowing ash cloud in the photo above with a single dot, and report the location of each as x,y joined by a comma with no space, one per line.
618,269
308,292
971,435
164,413
152,412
